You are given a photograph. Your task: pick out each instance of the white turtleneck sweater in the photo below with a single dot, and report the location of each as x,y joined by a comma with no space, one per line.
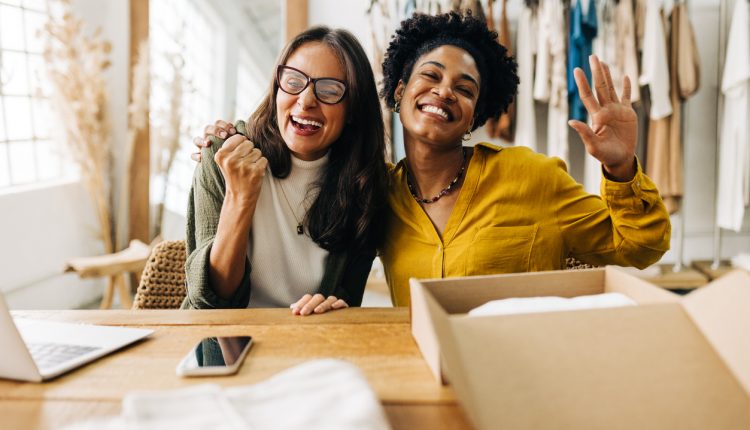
285,265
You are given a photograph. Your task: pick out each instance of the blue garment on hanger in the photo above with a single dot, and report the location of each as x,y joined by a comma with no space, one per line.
409,8
582,32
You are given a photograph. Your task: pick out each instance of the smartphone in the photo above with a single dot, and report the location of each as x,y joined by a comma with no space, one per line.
215,356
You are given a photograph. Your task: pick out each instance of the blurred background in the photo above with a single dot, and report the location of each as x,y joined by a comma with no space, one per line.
100,101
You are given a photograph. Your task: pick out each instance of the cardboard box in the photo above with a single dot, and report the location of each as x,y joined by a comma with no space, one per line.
670,362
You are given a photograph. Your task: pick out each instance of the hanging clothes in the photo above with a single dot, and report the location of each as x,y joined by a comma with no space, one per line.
526,46
429,7
475,6
605,43
606,48
654,66
381,28
640,22
492,124
583,30
551,79
734,156
615,44
664,149
503,127
409,8
626,61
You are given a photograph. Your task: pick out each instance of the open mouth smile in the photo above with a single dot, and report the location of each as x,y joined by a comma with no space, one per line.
435,110
305,126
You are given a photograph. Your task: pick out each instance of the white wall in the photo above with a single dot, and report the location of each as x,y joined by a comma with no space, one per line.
44,226
349,14
41,228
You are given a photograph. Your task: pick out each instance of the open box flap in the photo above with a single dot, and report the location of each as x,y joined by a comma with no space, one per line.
645,367
722,312
636,288
459,296
444,330
422,322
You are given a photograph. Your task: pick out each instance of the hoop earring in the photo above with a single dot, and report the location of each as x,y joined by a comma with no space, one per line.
397,106
466,138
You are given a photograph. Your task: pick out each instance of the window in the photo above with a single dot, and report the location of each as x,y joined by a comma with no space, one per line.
28,154
251,87
182,33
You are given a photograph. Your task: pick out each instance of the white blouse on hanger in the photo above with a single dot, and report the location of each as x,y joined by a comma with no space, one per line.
551,79
604,47
734,155
655,65
626,62
525,47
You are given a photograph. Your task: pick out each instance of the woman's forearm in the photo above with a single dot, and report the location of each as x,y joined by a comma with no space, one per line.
227,258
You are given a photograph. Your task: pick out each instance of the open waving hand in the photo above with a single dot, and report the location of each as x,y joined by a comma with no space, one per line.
613,135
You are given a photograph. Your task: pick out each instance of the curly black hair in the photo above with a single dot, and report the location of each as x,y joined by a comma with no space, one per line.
422,33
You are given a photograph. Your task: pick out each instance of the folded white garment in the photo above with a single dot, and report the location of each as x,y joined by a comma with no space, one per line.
318,394
741,261
527,305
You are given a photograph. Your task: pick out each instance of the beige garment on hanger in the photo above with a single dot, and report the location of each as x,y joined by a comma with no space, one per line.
640,22
380,32
502,127
626,60
664,162
551,77
526,48
475,6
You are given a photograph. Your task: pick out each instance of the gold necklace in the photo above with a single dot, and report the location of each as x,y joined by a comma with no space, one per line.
300,229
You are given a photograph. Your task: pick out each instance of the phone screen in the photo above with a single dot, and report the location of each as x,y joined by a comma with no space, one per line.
215,356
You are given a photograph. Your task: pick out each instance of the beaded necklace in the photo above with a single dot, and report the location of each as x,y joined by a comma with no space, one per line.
442,192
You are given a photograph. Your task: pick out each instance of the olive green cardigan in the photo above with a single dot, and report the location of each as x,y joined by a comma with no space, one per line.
344,276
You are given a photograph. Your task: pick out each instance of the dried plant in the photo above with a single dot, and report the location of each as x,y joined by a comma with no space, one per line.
137,121
75,65
138,108
165,138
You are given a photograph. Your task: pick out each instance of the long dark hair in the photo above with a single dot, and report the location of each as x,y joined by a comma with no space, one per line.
347,214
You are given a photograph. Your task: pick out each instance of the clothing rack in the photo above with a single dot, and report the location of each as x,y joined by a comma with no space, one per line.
680,249
723,19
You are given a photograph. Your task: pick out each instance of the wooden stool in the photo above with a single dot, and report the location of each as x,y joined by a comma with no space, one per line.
705,267
115,267
663,275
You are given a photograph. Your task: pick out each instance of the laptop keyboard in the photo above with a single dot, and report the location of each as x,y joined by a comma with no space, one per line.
48,355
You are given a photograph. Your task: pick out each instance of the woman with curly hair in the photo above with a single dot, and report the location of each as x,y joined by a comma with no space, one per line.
459,211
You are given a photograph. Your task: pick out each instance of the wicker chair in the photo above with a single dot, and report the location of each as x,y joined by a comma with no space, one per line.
163,280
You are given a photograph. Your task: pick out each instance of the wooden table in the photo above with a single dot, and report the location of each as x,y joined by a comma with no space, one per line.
378,341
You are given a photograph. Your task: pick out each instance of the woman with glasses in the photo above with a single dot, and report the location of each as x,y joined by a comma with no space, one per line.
286,212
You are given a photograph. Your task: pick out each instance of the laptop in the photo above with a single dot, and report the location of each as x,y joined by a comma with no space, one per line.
36,351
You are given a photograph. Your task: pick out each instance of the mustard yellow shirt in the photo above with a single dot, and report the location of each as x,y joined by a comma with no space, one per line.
519,211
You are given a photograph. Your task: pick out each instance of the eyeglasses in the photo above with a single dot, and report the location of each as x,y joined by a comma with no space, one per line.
292,81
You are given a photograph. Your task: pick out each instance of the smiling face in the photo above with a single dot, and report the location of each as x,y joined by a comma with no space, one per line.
438,102
308,126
